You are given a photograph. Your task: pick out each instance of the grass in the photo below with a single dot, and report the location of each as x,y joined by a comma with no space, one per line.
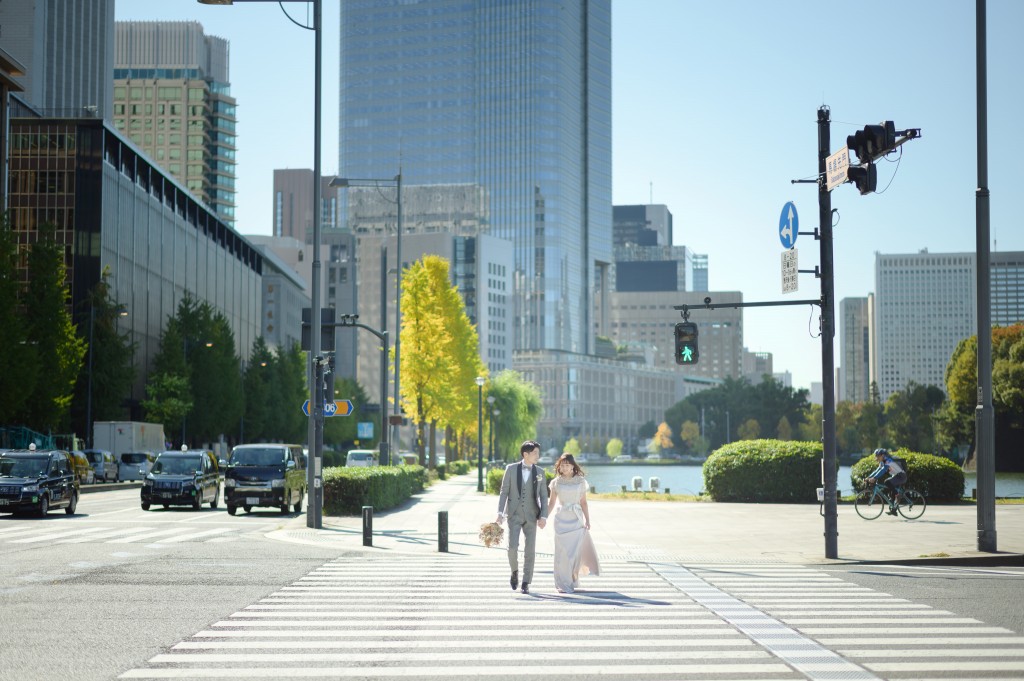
646,496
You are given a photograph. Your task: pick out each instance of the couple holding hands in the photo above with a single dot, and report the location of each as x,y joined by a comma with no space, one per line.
526,502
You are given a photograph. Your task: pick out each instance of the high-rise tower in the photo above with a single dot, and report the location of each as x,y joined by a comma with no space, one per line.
512,96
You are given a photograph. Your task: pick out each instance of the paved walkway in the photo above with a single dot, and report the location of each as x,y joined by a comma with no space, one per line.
683,531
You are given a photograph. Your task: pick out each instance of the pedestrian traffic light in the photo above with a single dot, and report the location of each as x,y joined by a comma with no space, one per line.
873,141
865,177
686,343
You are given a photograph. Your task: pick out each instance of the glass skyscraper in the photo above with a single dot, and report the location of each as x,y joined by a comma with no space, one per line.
513,96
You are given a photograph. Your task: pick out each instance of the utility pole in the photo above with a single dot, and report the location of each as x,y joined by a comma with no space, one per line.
828,398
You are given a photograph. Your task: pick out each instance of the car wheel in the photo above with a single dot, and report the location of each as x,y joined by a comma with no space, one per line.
166,506
248,509
70,510
198,501
145,506
232,510
298,504
44,506
216,499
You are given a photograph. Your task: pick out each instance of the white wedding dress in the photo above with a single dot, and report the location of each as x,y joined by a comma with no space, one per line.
575,554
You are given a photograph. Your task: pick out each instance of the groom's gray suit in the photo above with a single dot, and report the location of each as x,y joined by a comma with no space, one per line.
523,504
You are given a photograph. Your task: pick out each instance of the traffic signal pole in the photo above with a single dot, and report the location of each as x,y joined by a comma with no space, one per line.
828,372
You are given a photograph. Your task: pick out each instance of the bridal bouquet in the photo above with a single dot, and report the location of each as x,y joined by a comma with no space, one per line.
491,534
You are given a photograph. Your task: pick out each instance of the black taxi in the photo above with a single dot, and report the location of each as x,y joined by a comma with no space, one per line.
265,475
189,477
37,481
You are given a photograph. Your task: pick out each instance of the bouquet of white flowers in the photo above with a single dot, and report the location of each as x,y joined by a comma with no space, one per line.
491,534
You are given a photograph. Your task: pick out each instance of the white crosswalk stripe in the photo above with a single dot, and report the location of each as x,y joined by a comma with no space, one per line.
443,617
112,534
901,640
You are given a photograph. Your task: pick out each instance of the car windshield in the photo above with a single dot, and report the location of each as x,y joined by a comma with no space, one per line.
360,456
94,457
27,467
179,465
257,457
134,457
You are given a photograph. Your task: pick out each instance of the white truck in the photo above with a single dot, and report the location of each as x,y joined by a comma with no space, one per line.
133,443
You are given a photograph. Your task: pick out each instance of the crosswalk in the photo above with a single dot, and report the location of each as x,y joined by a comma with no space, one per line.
444,617
51,533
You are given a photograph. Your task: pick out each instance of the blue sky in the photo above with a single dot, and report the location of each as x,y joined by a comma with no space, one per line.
714,112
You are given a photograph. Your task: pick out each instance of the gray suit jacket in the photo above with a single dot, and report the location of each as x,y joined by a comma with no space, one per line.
511,487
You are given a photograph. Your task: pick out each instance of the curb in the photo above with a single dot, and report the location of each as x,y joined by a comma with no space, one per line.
109,486
988,560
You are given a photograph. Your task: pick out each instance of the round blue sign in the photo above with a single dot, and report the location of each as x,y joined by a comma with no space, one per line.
789,225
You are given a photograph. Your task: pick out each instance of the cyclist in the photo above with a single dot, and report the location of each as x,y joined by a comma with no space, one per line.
897,476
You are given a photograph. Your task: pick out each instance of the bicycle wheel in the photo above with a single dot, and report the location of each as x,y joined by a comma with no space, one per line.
870,504
911,504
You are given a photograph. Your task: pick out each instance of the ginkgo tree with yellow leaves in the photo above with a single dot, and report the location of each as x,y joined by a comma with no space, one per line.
440,353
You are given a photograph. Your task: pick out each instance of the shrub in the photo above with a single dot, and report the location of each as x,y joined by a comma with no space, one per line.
936,477
458,467
333,458
347,490
493,481
767,471
442,471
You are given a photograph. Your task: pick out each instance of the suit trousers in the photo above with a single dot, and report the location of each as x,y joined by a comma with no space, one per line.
528,526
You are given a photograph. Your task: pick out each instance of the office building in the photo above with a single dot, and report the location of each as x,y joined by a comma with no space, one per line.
10,68
854,349
513,98
654,268
118,212
172,99
643,225
756,365
1007,286
67,51
293,204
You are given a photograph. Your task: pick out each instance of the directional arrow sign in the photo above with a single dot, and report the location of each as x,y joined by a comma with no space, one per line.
789,225
336,408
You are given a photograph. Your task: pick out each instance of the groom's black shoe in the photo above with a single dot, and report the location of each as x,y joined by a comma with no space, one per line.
526,587
514,581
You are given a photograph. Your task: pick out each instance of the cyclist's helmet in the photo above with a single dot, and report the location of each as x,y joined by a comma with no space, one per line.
882,451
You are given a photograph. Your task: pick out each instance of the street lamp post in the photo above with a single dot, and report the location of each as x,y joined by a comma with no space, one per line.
122,311
314,507
480,434
373,182
353,320
494,434
490,427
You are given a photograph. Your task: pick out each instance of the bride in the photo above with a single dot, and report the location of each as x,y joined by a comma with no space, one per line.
575,554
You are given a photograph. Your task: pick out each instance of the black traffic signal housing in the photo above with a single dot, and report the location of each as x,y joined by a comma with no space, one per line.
873,141
686,343
864,176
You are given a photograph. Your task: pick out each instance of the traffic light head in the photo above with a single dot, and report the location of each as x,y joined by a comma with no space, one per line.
686,343
865,177
873,141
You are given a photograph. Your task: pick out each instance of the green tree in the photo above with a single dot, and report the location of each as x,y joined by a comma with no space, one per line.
783,430
111,356
750,430
908,416
258,385
168,401
613,448
520,409
809,429
647,430
18,362
572,446
871,421
341,431
289,390
689,434
51,330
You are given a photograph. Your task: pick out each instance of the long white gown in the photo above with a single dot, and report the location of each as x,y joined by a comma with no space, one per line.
575,554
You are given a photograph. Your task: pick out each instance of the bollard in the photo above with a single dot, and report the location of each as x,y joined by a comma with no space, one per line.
442,531
667,491
367,525
623,489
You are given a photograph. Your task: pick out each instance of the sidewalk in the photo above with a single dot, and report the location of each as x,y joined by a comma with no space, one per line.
685,532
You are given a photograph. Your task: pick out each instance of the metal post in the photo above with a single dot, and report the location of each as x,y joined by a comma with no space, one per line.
367,525
985,445
88,400
442,531
314,509
385,451
480,434
398,307
828,397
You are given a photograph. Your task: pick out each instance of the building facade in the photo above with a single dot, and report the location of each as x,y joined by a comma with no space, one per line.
514,98
172,99
116,211
641,225
293,204
75,80
855,349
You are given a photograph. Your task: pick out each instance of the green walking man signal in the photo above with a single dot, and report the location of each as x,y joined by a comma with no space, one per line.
686,343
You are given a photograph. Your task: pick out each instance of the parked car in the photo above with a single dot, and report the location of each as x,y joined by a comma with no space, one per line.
623,458
361,457
82,468
265,475
104,466
135,465
186,478
38,481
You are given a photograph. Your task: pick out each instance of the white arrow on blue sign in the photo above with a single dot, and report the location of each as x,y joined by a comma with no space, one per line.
789,225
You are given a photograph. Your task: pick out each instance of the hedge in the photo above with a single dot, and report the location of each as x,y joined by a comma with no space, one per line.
936,477
765,471
492,482
347,490
458,467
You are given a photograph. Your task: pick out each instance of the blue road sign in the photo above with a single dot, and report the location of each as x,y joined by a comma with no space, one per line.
336,408
364,430
789,225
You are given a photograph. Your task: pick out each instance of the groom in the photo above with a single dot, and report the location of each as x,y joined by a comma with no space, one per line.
524,502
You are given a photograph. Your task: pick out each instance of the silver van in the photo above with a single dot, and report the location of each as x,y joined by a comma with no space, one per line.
361,457
135,465
103,465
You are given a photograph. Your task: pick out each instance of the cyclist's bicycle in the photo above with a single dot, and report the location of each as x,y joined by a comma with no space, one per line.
871,502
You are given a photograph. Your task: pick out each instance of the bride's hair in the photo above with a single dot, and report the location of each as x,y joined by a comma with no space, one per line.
570,459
